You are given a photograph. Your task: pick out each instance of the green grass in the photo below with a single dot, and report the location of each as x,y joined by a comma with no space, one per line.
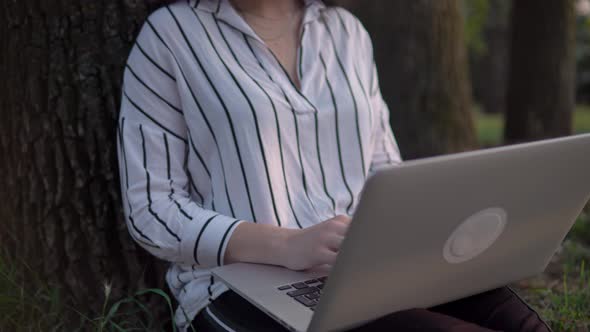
567,307
490,126
489,129
39,306
564,300
581,229
34,308
582,119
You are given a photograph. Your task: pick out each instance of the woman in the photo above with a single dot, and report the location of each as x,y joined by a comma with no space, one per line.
247,130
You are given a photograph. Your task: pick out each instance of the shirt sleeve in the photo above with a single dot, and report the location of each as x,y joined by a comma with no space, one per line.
152,147
385,151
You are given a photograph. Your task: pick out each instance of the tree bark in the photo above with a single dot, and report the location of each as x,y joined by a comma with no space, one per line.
541,88
421,57
62,64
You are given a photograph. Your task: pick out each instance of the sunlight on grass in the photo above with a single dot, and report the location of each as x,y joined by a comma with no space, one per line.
582,119
490,127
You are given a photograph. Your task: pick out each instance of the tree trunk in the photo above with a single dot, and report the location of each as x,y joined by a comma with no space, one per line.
421,57
62,64
541,91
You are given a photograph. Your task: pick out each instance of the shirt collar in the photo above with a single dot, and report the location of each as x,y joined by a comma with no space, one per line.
224,11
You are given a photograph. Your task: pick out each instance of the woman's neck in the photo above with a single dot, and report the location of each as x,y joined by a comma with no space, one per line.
268,8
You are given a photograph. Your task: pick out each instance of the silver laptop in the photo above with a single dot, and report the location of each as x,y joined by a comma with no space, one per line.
432,231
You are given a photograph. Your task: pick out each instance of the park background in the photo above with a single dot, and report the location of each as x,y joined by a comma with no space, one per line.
458,75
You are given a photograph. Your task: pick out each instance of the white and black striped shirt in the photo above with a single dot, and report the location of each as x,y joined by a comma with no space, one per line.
212,132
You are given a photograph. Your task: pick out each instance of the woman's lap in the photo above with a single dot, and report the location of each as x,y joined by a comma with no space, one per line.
235,312
497,310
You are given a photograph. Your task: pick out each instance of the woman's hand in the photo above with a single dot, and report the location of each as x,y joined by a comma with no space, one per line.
315,245
295,249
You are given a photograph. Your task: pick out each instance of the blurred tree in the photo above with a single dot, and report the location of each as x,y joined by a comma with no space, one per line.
62,64
583,59
476,14
541,88
421,55
488,49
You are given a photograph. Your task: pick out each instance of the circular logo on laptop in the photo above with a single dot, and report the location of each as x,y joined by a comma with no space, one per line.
474,235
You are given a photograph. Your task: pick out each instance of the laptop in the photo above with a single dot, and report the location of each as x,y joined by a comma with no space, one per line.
432,231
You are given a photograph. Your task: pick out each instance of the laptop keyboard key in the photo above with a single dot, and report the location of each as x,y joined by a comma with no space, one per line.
302,291
313,296
306,292
305,301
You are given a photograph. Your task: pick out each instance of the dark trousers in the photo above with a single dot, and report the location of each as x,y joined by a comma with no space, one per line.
496,310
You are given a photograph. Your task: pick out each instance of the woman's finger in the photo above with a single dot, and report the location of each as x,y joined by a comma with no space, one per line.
334,241
339,227
327,257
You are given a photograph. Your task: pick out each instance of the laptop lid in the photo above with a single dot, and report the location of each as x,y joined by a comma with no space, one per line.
439,229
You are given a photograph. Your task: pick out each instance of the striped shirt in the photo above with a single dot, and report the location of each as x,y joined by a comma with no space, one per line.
213,132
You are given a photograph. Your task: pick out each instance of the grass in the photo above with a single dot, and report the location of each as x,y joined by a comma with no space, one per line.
567,307
489,129
36,308
490,126
582,119
581,229
562,294
40,306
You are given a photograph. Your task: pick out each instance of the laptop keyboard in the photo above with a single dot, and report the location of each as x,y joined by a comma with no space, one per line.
306,292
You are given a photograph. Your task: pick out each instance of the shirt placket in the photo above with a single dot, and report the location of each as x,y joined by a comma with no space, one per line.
297,97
